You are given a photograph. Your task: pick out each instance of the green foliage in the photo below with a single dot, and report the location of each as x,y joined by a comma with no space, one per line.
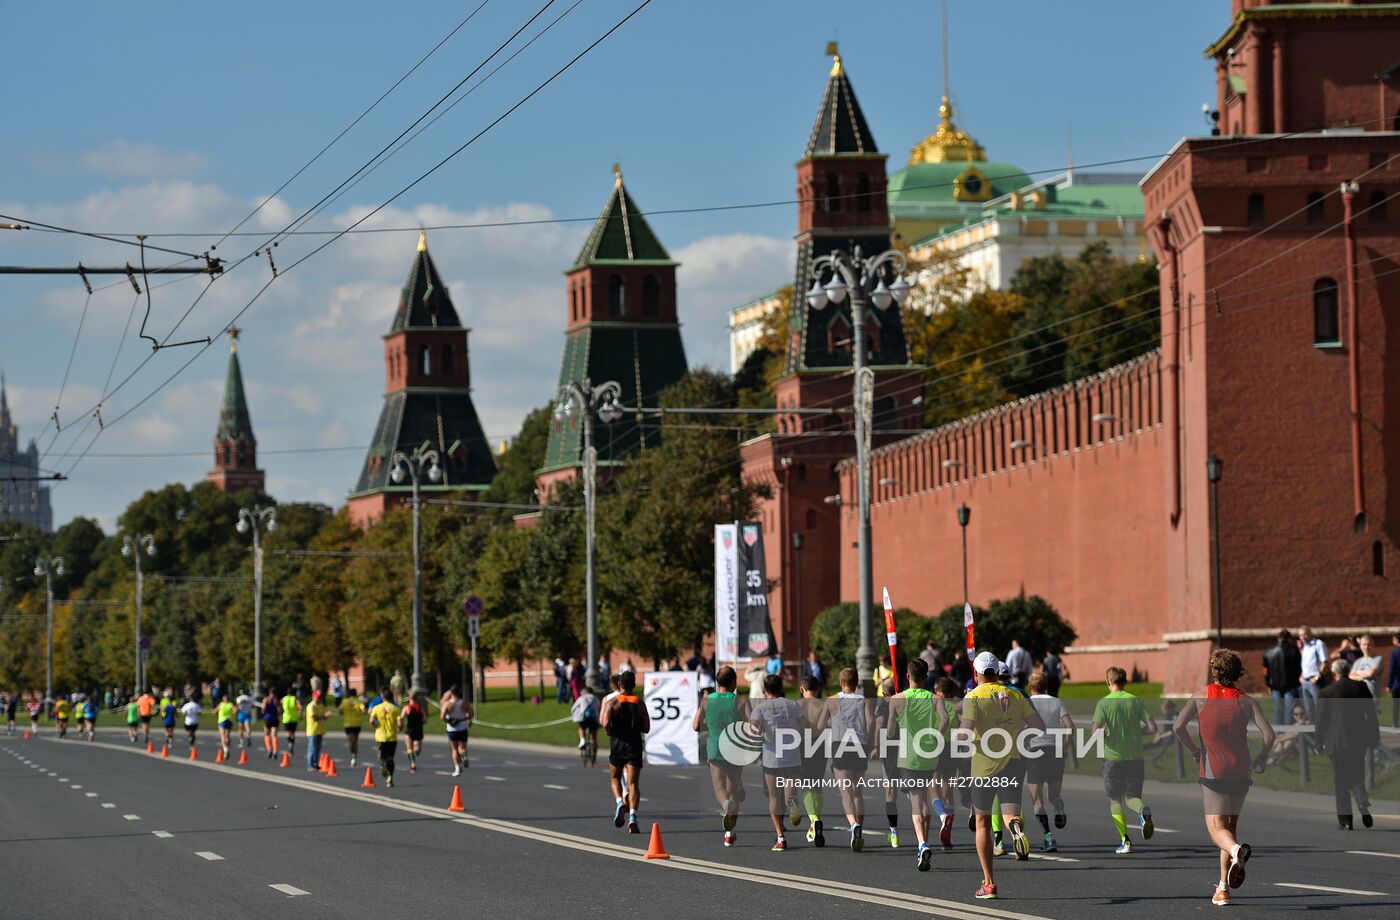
515,477
1030,620
835,634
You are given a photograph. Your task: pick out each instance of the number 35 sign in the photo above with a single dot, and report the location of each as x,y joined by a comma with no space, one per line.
670,701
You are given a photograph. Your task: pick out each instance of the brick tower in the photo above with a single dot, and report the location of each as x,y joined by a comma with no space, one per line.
235,448
427,398
622,326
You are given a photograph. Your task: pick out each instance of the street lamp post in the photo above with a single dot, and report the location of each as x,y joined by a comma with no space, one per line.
47,569
1214,468
250,520
410,466
585,399
797,586
865,280
964,517
131,549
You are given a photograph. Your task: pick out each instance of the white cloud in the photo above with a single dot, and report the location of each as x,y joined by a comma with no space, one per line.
719,273
122,159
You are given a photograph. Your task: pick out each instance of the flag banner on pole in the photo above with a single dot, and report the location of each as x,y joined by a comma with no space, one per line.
755,626
670,701
892,637
967,623
726,592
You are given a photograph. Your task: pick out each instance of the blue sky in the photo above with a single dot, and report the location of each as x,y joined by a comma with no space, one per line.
157,117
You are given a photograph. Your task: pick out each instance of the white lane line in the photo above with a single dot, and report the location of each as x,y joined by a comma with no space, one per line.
132,817
1053,858
1159,830
76,786
555,786
1373,853
497,779
63,779
212,857
677,776
289,890
163,835
91,795
108,805
1355,891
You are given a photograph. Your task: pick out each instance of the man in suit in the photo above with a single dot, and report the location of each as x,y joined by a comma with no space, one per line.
1283,670
1347,729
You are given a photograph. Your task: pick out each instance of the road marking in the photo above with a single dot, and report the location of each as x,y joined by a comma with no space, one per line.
1373,853
677,776
497,779
63,779
76,786
132,817
1159,830
212,857
289,890
163,835
553,786
1053,858
91,795
108,805
1355,891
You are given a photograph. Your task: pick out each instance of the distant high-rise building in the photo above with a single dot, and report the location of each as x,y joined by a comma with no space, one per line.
22,497
235,448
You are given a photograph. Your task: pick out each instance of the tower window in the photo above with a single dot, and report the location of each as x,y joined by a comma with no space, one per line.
1326,330
651,296
425,360
617,296
833,193
1254,210
1317,209
447,359
863,191
1378,559
1375,208
573,301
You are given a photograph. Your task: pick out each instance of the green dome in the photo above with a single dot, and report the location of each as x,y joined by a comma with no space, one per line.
933,183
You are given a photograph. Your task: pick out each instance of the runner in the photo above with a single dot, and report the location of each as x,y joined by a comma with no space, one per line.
35,707
271,710
626,720
291,713
317,715
849,717
191,711
1046,774
813,769
780,720
413,718
457,715
615,684
889,760
945,713
352,719
244,703
1123,718
145,708
133,719
1223,754
60,716
913,711
384,718
168,711
584,714
992,707
223,716
717,711
90,716
11,706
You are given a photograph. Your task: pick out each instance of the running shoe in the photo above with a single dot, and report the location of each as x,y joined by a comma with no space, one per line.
1235,875
987,891
456,769
925,857
1125,847
818,838
353,761
389,781
794,812
582,744
1222,897
1145,822
972,821
998,847
1048,845
1019,841
1061,819
857,839
632,827
780,844
620,814
893,838
945,833
729,838
731,818
1367,820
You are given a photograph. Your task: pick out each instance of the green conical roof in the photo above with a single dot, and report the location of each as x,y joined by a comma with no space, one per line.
234,421
621,235
423,302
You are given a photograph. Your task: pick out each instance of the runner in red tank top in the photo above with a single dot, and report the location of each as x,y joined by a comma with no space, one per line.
1224,713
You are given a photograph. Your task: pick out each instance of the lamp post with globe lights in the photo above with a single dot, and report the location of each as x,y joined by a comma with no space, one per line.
584,399
411,467
47,569
132,544
878,281
253,520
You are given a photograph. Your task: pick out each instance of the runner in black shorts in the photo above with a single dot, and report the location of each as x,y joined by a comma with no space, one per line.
413,717
813,769
626,720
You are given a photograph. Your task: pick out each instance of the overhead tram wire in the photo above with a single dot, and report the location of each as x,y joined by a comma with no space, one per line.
444,161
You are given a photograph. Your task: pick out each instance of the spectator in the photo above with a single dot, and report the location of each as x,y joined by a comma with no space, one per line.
754,676
882,674
961,669
1055,673
774,664
576,679
561,677
1394,681
216,692
299,688
934,659
815,669
604,670
625,667
1290,743
1314,658
1283,670
1346,731
1019,661
1367,667
1348,651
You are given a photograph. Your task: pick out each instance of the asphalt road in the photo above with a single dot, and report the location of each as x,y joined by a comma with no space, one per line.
106,830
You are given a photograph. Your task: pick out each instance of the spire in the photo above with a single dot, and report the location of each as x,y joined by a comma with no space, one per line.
621,233
234,422
424,302
4,403
948,144
422,241
840,126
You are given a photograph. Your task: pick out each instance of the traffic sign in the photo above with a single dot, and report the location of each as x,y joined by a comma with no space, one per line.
473,628
145,643
474,606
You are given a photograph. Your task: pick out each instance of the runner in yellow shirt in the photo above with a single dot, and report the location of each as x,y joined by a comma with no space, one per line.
352,717
60,716
385,719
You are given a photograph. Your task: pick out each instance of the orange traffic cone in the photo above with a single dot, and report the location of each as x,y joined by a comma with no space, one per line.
456,800
286,759
150,748
331,771
26,734
165,750
324,765
369,779
243,758
656,849
218,755
194,753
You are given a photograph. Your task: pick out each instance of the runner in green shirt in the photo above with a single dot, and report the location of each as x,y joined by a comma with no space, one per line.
716,713
291,712
133,719
223,717
1122,718
920,745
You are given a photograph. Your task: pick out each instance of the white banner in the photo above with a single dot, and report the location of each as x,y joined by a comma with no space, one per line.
726,592
670,701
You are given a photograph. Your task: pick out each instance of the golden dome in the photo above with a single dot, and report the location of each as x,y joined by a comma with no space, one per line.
948,143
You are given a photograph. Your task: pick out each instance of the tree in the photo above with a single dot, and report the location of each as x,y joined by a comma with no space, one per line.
835,635
515,477
1030,620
